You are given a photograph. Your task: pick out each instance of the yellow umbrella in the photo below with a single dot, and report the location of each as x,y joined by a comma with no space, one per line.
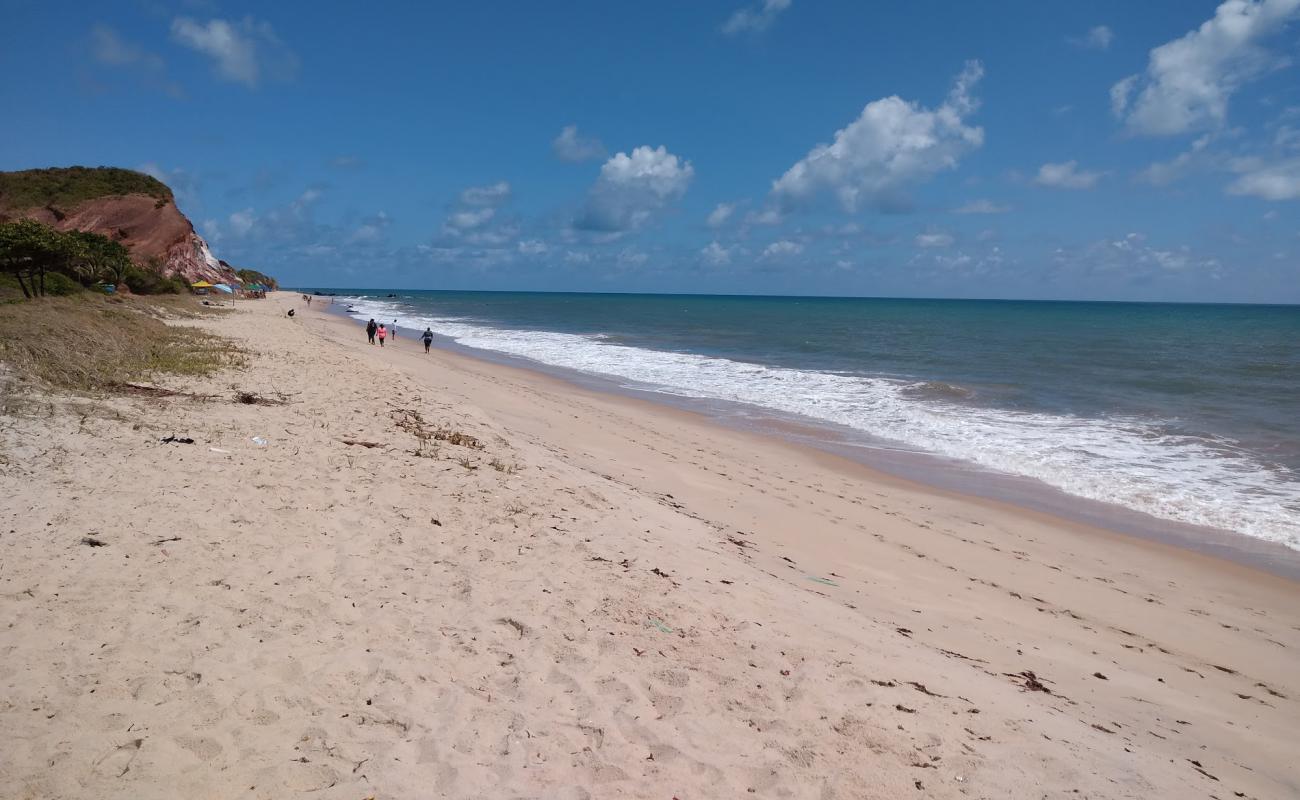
201,285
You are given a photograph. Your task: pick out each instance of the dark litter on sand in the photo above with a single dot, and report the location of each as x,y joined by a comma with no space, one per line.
177,440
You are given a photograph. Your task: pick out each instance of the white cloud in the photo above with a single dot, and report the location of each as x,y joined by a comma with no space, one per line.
1272,181
109,48
631,188
782,249
1188,81
569,146
1066,175
768,216
1162,173
716,254
244,51
756,19
934,240
493,195
720,214
1097,38
982,207
533,247
892,145
371,229
469,219
241,222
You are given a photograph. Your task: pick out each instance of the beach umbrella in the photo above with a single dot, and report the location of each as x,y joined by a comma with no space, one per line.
201,285
221,287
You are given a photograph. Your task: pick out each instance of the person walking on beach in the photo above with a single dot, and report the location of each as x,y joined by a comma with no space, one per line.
393,329
427,336
370,331
382,333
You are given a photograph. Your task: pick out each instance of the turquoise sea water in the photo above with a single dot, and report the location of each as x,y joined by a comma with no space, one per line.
1189,413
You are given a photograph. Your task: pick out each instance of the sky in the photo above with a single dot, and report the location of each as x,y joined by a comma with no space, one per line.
1101,150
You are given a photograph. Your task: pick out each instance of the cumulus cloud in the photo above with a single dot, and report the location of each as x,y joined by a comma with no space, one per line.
982,207
1188,81
1162,173
754,19
569,146
891,146
934,240
1097,38
782,248
720,214
1279,180
716,254
493,195
243,51
1066,175
631,188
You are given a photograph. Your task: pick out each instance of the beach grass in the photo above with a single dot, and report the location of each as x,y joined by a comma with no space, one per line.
93,343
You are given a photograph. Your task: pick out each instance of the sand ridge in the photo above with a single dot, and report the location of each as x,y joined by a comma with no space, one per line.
601,599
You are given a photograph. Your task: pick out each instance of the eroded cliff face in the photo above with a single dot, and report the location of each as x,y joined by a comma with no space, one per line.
149,227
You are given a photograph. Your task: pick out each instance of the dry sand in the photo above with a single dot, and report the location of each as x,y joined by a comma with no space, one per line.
607,599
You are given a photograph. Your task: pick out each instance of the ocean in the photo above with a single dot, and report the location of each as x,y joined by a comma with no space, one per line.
1187,413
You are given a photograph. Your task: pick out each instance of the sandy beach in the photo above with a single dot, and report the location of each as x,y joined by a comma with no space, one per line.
435,576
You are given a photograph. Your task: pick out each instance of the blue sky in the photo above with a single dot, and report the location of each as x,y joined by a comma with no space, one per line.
1107,150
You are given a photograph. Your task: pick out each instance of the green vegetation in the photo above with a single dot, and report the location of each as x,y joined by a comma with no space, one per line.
248,276
32,252
65,187
101,343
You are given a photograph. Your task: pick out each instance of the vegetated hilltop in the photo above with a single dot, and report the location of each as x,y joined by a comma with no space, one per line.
127,206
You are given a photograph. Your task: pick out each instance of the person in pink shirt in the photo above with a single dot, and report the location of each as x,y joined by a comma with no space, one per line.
382,333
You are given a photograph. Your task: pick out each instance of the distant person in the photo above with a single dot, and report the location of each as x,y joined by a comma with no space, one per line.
309,301
393,330
427,336
382,333
371,327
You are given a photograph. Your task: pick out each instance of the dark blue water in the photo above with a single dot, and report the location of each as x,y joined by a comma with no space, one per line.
1187,412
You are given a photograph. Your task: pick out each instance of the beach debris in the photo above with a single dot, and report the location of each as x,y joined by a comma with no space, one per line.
920,687
219,450
360,443
514,623
904,708
259,441
169,539
1196,765
823,581
435,522
1099,675
177,440
1032,683
660,573
654,623
91,541
254,399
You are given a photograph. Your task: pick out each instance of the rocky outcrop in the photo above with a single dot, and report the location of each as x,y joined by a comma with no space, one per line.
157,234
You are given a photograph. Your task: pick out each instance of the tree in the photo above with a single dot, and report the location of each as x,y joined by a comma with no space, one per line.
28,249
99,255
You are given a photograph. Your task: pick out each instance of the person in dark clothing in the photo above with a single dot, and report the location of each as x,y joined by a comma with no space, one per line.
371,327
427,336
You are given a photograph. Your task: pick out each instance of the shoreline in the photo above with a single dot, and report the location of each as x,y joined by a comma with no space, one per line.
399,575
924,471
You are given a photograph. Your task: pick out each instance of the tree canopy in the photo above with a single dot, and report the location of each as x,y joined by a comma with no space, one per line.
29,250
68,186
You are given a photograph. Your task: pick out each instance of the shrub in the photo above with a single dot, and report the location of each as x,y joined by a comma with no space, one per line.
59,285
143,281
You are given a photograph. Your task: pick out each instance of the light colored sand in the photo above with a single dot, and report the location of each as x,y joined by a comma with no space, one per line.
638,604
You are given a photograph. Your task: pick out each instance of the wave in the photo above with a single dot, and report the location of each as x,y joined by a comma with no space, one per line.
1135,462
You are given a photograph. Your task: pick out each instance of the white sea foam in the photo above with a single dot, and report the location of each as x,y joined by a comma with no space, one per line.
1128,461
